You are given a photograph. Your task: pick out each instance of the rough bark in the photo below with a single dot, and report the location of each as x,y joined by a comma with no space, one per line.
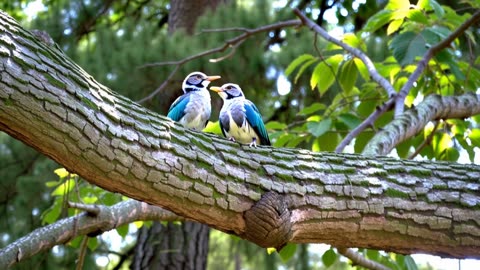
184,14
268,195
172,246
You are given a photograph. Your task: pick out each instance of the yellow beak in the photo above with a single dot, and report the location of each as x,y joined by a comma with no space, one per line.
216,89
213,78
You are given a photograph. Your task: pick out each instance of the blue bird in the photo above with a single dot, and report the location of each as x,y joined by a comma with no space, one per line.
239,118
193,108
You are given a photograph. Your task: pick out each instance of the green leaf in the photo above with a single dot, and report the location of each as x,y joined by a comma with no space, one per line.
275,125
61,172
417,15
437,8
398,5
295,63
303,67
328,141
329,257
295,141
423,4
410,263
350,120
474,137
52,183
348,76
378,20
213,127
51,215
92,243
362,140
271,250
64,188
373,254
362,68
90,199
407,46
283,140
324,73
319,128
315,107
352,40
122,230
394,26
287,252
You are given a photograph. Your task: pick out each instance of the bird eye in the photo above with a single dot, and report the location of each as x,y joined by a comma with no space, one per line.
229,87
199,77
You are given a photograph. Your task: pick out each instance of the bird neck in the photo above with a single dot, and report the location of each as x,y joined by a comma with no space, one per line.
193,88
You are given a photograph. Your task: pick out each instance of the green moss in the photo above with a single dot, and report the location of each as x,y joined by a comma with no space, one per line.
364,183
420,172
24,64
286,177
440,187
54,82
217,194
395,193
8,102
90,104
335,160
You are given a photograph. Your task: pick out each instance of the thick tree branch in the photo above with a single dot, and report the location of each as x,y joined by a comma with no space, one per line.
231,43
65,230
354,51
434,107
267,195
422,64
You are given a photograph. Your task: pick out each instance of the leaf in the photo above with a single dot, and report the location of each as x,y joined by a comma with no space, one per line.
394,26
423,4
373,254
61,172
352,40
213,127
312,108
64,188
51,215
271,250
329,257
122,230
350,120
328,141
410,263
90,199
362,140
398,4
283,140
378,20
474,137
407,46
295,63
362,68
303,67
319,128
348,76
324,73
52,183
287,252
92,243
417,15
437,8
275,125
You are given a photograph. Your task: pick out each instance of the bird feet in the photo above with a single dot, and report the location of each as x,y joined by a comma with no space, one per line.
231,139
253,143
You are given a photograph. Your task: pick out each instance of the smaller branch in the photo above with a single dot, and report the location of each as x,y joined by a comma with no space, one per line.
228,55
83,252
366,123
222,30
228,44
354,51
409,123
400,98
63,231
426,142
91,209
358,259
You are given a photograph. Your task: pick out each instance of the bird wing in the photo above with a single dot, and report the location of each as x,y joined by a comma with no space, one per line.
177,109
255,120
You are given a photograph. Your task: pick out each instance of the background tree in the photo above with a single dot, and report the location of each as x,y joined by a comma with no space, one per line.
302,118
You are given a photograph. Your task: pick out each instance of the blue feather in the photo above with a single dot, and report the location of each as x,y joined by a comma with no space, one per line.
255,120
177,109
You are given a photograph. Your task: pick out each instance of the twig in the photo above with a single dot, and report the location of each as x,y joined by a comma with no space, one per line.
236,41
426,142
358,259
400,98
91,209
354,51
83,252
366,123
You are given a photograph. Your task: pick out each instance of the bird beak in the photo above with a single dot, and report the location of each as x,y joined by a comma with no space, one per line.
212,78
216,89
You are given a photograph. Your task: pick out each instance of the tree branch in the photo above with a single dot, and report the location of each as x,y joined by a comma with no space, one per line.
65,230
270,196
354,51
231,43
434,107
360,260
422,64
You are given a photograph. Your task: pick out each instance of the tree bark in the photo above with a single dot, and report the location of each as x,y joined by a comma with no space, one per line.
270,196
172,246
184,14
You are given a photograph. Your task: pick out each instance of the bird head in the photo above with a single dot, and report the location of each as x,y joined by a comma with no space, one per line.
197,81
228,91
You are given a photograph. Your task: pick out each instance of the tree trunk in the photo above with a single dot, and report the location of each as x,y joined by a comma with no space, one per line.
270,196
184,14
172,246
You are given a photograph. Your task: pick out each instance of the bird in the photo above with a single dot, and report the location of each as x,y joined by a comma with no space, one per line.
239,118
193,108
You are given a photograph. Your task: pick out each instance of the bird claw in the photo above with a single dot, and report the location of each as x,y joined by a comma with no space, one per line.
231,139
253,143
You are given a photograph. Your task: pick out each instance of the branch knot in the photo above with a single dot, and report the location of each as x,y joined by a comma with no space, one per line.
268,222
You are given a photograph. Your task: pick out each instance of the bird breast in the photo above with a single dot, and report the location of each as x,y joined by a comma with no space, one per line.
197,111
